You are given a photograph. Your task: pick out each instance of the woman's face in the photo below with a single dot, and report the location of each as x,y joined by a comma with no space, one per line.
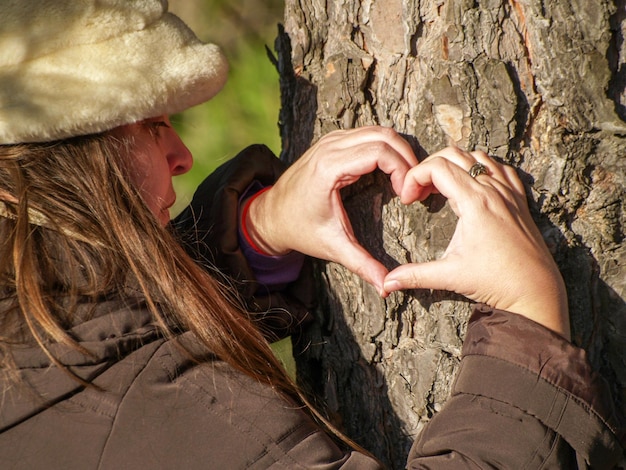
157,155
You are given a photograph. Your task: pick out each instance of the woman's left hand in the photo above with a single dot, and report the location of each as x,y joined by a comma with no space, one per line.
497,255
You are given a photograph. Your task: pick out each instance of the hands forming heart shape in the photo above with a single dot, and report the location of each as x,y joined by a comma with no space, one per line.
496,256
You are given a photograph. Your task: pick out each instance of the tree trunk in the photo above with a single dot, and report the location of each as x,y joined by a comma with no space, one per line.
540,85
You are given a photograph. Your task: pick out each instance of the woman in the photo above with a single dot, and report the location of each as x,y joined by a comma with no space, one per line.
121,350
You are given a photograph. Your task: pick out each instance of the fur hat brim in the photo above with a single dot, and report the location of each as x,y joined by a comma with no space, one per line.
86,85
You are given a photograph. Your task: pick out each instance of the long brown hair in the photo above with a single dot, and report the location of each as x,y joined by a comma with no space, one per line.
104,236
92,235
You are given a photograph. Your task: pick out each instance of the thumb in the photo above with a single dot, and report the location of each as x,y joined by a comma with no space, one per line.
429,275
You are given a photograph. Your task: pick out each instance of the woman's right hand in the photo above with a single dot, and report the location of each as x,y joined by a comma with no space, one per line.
497,255
304,212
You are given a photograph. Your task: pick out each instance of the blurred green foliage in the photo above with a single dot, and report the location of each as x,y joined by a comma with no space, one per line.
246,110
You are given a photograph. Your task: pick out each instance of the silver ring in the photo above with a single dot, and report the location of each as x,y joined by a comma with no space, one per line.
478,169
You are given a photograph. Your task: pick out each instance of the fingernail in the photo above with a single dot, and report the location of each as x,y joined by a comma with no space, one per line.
392,285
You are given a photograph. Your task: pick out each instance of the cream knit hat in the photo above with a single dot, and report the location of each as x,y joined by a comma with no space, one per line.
75,67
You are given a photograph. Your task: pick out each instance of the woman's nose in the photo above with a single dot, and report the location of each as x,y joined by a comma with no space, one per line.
179,157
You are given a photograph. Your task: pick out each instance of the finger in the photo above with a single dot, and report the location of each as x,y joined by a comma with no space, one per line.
466,160
369,134
412,191
438,174
495,169
365,157
501,172
430,275
514,180
504,179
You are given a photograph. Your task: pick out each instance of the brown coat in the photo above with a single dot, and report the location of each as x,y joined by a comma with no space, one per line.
524,398
526,408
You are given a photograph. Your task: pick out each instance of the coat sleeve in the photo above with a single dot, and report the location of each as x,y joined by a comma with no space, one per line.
208,229
523,398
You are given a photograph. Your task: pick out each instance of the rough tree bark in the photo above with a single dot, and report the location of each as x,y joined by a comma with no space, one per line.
540,85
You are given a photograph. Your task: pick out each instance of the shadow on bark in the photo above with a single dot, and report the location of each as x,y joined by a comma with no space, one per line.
368,419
